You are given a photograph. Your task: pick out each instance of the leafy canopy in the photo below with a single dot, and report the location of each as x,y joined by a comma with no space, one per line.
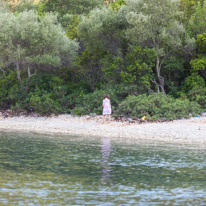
28,39
71,6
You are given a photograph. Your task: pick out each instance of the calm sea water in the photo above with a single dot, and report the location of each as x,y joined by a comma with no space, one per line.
43,170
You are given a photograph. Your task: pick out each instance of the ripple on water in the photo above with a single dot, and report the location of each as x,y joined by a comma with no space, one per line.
40,170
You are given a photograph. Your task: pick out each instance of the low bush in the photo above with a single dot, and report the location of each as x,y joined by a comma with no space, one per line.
157,106
79,111
194,89
90,103
198,95
7,82
46,94
44,104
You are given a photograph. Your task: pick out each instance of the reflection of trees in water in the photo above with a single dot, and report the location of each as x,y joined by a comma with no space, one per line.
105,150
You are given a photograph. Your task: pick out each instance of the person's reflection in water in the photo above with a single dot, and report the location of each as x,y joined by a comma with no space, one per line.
105,150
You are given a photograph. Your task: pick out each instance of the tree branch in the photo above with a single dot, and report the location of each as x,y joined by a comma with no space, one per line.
165,58
29,72
2,70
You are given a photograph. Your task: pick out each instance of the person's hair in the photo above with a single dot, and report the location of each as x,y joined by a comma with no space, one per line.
106,96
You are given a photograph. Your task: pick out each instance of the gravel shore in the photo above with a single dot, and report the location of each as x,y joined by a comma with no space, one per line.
189,131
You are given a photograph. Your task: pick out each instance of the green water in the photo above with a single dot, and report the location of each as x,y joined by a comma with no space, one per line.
43,170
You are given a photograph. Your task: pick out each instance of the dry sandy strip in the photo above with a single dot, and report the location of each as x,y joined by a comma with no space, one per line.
191,131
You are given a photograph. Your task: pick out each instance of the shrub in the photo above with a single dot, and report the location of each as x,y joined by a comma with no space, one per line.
195,90
198,95
193,81
7,82
44,104
92,102
157,106
79,111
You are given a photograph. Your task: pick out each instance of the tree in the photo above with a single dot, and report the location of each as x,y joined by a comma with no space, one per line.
71,6
188,8
138,69
4,6
25,5
199,64
29,41
154,24
174,71
88,66
103,28
21,5
117,4
135,68
102,31
72,24
197,21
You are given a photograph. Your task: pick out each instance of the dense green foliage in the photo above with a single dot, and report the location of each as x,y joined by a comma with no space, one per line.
71,6
62,56
158,106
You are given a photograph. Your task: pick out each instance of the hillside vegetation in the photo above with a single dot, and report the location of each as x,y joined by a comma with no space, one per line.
63,56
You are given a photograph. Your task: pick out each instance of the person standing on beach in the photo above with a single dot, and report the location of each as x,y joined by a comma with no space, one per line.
107,110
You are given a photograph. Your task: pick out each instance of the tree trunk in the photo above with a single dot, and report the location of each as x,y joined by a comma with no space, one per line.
161,82
203,74
29,72
202,3
2,70
19,74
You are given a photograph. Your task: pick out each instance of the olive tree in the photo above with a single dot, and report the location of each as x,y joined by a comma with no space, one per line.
4,6
155,24
103,28
102,34
28,41
71,6
24,5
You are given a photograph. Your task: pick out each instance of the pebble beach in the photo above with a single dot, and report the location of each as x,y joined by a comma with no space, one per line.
187,131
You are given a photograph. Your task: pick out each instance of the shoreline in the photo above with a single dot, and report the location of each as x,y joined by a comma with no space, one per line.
187,131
